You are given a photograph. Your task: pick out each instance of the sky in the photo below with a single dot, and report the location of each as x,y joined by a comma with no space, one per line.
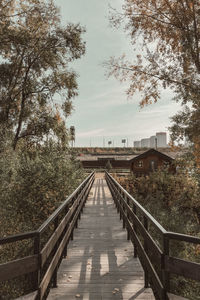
102,112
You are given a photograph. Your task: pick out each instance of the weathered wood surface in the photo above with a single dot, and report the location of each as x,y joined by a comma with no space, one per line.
31,296
100,262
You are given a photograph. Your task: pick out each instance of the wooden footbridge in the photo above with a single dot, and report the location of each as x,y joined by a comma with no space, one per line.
94,255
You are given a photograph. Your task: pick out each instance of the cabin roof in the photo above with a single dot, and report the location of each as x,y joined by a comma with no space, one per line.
152,151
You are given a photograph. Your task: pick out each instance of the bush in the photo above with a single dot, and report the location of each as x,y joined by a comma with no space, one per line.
33,183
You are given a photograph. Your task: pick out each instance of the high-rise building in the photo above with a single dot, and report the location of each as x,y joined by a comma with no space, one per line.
153,141
137,144
145,143
161,139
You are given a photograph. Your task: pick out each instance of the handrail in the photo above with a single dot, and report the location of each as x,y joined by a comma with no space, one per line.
183,237
138,205
53,216
169,234
18,237
44,262
157,263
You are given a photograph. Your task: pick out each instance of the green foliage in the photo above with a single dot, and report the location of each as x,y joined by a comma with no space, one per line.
36,53
168,196
37,85
168,32
33,183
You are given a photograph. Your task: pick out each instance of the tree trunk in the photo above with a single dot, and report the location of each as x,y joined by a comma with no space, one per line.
19,126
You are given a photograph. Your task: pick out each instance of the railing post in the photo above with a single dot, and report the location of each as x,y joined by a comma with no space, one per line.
128,217
135,229
38,273
120,203
165,274
123,207
56,248
114,194
76,223
85,194
72,232
65,249
83,203
146,275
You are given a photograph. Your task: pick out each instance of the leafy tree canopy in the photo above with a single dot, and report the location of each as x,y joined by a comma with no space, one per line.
170,35
35,54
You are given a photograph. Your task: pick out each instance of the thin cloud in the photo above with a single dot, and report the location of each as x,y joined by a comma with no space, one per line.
91,133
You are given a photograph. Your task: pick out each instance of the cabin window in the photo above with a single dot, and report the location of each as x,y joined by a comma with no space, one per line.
166,164
139,164
153,165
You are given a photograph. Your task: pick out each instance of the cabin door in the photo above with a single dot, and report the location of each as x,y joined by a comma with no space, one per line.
153,165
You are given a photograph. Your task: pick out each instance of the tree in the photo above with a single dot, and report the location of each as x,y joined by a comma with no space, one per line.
169,33
37,85
36,52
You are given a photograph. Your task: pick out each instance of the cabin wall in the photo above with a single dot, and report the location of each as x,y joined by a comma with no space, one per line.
145,165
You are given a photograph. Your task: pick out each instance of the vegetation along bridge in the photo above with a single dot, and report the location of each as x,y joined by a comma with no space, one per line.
104,258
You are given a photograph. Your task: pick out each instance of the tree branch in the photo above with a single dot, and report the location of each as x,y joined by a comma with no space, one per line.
152,75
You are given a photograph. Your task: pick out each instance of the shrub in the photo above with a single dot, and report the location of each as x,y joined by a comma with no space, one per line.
33,183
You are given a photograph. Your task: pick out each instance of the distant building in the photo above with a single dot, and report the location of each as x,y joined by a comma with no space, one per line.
142,164
137,144
145,143
153,141
161,139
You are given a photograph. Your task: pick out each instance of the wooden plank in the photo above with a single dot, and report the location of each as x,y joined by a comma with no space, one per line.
156,253
100,259
77,213
48,275
183,268
18,267
145,261
54,238
31,296
18,237
175,297
183,237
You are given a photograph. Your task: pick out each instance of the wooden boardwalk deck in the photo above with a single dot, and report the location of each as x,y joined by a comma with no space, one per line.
100,262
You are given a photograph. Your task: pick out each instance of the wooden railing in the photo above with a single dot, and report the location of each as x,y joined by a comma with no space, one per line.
157,261
50,242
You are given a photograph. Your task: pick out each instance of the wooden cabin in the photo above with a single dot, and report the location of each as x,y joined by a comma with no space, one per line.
141,164
150,161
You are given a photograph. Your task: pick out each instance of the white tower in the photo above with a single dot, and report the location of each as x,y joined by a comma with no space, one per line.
153,141
161,139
